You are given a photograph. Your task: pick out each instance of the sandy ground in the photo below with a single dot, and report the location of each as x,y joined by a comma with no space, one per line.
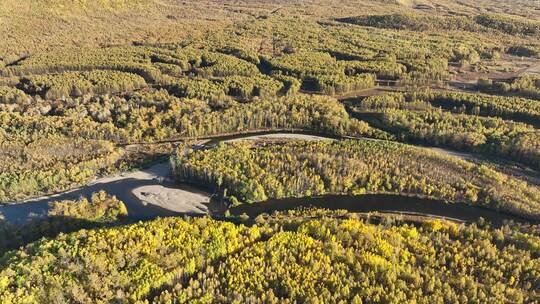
462,155
121,186
177,200
288,136
533,70
158,171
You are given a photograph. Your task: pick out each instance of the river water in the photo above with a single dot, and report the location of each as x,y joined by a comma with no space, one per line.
122,187
385,203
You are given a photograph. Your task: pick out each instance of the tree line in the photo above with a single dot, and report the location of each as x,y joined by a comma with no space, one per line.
101,210
81,83
477,24
50,165
254,173
525,86
413,117
156,115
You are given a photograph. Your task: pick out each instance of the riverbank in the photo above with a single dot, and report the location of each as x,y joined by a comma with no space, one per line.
150,193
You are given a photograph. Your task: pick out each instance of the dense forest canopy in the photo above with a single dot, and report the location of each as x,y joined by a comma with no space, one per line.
308,256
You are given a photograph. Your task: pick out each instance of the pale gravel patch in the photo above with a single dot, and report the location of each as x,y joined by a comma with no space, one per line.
289,136
172,199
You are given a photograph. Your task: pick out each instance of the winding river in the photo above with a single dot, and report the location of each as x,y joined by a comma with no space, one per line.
171,199
382,203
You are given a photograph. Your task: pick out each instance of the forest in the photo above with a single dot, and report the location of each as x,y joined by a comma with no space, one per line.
526,86
252,173
309,256
81,83
50,164
489,125
229,82
101,210
479,23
